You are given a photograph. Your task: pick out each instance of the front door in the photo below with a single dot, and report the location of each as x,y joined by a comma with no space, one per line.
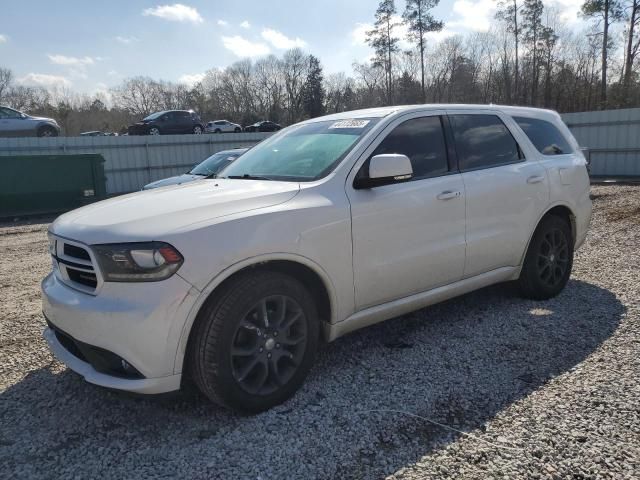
408,237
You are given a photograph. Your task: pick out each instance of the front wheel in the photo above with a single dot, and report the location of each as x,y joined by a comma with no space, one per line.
154,131
255,341
197,130
547,265
237,130
47,131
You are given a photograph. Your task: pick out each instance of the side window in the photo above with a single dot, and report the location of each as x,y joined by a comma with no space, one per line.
544,135
483,141
422,140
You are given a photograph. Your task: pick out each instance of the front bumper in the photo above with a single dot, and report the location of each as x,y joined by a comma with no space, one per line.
140,323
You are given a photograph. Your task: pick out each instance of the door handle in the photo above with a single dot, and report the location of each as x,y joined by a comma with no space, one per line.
447,194
535,179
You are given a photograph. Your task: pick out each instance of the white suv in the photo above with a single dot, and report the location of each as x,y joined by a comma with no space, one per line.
222,126
328,226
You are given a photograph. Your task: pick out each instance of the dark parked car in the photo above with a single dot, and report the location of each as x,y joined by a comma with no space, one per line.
17,124
207,169
167,123
264,126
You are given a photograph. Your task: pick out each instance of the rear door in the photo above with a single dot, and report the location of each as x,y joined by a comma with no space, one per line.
506,188
408,237
12,123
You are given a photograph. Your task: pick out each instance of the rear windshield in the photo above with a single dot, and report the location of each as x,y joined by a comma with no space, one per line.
544,135
301,153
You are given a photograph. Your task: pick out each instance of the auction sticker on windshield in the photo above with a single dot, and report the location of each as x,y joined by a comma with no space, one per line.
350,124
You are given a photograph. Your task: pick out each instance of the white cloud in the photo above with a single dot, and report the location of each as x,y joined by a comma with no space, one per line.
176,12
126,40
45,80
359,32
242,47
222,23
475,15
3,38
191,79
569,10
245,24
71,61
281,41
113,73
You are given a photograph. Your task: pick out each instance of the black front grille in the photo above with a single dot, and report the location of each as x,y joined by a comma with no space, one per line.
76,252
68,343
100,359
87,279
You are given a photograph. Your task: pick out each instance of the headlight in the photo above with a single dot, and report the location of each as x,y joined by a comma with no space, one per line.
137,262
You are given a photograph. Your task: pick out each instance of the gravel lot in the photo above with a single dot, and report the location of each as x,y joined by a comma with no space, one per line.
521,389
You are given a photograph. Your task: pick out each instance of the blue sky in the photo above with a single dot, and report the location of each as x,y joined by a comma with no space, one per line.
90,46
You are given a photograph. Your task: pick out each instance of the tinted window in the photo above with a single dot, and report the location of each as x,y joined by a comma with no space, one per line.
544,136
422,140
483,141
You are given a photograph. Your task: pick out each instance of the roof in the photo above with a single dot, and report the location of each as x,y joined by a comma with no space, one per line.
385,111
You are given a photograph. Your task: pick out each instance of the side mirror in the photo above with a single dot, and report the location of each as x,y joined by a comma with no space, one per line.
386,169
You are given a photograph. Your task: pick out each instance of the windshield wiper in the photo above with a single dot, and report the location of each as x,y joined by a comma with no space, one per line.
246,176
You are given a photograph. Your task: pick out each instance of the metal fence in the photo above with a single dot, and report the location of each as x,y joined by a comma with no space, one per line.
131,162
613,140
612,137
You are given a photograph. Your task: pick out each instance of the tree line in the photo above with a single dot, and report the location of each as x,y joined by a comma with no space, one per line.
528,57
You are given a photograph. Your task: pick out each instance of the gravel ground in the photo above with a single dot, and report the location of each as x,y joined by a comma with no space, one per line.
485,386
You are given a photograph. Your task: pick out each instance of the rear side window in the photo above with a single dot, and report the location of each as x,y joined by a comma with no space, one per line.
544,135
422,140
483,141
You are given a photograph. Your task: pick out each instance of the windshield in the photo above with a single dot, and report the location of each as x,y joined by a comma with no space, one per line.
153,116
303,153
215,163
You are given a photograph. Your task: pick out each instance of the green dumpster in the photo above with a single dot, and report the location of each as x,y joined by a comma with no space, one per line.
36,184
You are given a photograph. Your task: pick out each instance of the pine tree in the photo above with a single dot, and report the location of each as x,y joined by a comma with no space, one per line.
384,42
609,11
313,93
417,17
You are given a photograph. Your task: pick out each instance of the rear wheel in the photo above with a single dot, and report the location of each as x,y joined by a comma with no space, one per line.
197,130
255,341
547,265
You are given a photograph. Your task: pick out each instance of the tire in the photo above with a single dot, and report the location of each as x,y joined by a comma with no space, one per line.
47,131
197,130
154,131
237,130
547,265
217,131
232,355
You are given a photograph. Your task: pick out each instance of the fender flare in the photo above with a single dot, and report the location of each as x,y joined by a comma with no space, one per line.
546,211
206,292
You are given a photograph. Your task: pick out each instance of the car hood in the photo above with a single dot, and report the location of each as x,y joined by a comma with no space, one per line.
155,214
177,180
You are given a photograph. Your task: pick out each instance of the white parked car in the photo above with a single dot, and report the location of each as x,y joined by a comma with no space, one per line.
326,227
222,126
